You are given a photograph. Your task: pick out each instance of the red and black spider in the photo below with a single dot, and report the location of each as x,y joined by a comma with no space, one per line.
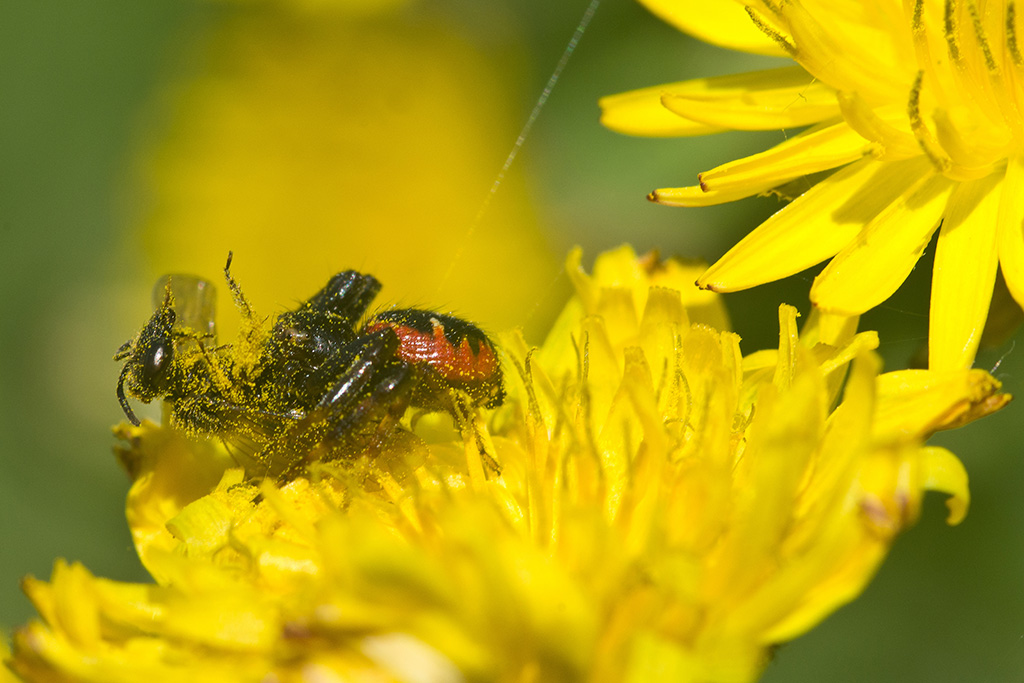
311,383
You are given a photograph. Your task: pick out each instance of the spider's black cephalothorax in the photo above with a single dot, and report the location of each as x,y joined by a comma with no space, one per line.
311,383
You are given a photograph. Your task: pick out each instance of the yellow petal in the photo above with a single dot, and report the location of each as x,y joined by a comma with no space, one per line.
872,267
75,605
788,345
839,561
944,472
169,471
640,112
760,360
204,525
810,152
826,328
720,22
695,195
6,675
964,274
818,149
757,100
1010,228
855,45
881,126
915,402
813,227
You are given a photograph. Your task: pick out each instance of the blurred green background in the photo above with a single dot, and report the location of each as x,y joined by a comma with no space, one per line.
90,92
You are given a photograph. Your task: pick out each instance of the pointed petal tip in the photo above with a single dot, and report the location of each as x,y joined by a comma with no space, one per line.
664,197
710,286
829,308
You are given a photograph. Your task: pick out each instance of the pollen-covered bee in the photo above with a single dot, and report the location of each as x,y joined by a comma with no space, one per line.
310,383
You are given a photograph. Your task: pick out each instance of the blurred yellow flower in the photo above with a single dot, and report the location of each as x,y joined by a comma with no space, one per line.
349,7
915,105
666,509
312,142
6,675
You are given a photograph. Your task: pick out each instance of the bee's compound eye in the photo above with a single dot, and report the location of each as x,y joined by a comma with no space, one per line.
156,362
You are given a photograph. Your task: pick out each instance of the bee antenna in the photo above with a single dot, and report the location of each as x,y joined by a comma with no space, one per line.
236,291
123,400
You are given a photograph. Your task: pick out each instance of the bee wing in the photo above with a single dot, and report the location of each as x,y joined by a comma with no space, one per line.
194,300
249,434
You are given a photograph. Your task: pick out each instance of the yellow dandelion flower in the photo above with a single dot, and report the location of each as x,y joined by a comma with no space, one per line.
915,106
666,509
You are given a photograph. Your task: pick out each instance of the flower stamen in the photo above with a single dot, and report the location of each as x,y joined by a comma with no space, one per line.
924,136
951,31
1011,34
979,32
771,32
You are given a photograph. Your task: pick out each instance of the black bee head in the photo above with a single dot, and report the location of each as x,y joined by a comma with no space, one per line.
148,359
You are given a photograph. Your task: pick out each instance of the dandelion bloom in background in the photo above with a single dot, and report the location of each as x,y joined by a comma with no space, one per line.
666,508
318,134
915,106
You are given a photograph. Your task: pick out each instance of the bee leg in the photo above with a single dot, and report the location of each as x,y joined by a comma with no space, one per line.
372,394
357,412
373,416
347,295
202,414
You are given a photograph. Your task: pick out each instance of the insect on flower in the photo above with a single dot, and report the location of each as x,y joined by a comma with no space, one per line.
309,384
